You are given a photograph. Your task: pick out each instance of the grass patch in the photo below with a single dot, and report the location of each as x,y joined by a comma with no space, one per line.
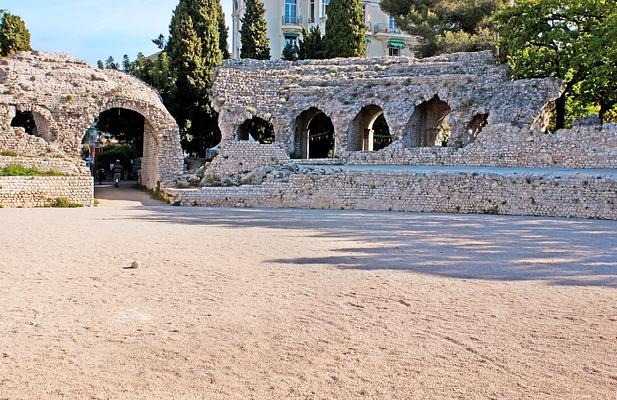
20,170
62,202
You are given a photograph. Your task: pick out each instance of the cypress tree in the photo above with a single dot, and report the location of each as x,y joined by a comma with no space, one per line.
254,32
14,35
345,29
194,51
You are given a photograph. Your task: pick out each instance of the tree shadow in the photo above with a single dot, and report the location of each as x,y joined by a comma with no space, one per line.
556,250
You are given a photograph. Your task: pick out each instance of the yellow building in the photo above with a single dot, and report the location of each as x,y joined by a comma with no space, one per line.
286,18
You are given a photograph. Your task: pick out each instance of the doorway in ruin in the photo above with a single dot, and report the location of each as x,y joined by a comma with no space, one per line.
314,135
369,131
256,129
427,127
33,123
124,144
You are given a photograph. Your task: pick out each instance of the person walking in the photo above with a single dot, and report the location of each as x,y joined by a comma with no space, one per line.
117,172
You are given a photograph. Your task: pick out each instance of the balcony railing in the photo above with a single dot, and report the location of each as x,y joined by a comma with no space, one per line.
386,28
292,20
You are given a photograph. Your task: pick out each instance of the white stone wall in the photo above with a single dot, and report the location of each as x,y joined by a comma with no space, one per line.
585,195
40,191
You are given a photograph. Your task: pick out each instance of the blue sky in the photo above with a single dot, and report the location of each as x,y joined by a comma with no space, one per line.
95,29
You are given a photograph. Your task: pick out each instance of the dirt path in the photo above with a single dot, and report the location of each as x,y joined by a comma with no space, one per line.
281,304
124,196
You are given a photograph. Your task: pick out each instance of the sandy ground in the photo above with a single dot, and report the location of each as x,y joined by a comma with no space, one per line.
280,304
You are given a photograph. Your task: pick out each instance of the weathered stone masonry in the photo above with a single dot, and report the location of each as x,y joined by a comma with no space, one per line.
493,121
65,96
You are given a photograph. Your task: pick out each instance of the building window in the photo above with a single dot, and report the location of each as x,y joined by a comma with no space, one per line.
325,6
392,26
290,11
291,40
393,52
312,11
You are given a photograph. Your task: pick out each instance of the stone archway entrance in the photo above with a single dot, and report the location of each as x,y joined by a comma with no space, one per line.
314,135
126,136
369,131
426,124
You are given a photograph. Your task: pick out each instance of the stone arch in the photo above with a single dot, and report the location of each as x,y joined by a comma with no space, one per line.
425,123
258,129
361,135
314,135
162,154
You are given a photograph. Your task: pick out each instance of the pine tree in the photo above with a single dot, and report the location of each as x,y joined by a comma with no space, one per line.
14,35
345,29
254,32
194,51
313,45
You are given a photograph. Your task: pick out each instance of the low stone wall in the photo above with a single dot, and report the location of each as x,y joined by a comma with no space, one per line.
508,146
584,194
237,157
40,191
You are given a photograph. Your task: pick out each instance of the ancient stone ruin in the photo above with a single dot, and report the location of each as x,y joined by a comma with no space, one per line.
353,133
48,101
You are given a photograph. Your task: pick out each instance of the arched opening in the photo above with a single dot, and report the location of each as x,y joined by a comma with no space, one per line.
314,135
369,131
476,125
33,123
124,147
256,129
427,127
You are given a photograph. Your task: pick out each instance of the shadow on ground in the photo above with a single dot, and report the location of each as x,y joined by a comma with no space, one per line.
559,251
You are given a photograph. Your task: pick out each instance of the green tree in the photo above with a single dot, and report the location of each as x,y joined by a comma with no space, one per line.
254,32
14,35
290,52
447,26
345,29
194,51
312,45
574,40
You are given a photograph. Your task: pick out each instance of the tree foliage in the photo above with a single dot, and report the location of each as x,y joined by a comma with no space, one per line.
14,35
345,29
447,26
313,45
254,32
574,40
290,52
183,71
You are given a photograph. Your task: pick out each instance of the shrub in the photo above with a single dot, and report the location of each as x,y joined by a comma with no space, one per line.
62,202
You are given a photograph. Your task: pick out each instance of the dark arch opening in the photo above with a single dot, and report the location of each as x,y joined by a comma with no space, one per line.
33,123
426,127
369,131
257,128
314,135
119,134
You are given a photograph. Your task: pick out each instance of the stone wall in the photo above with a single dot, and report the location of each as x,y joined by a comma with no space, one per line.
40,191
470,84
508,146
65,97
586,195
237,157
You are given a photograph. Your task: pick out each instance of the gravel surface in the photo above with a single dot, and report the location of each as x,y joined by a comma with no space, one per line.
282,304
